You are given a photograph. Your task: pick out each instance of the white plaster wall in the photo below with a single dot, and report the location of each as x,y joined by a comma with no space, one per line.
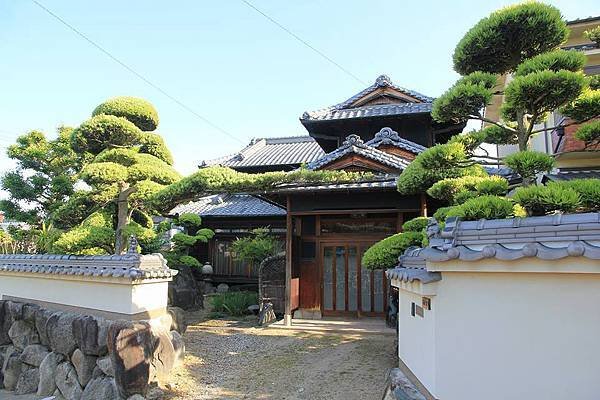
416,338
118,296
517,336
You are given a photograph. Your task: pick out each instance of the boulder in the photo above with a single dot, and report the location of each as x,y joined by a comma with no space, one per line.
12,367
5,323
97,373
59,329
184,290
29,311
66,381
106,366
222,288
131,346
15,310
136,397
57,395
90,334
34,354
100,388
28,381
178,347
254,309
48,368
164,356
179,321
84,365
41,319
1,374
22,334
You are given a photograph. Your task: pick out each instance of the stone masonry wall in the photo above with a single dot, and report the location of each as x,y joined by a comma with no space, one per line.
83,357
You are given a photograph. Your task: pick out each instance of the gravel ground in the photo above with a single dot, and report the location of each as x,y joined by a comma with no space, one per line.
228,359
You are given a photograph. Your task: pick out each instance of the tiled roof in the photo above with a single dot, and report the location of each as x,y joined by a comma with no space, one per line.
354,144
506,173
344,110
230,205
568,174
388,183
549,237
412,268
292,150
387,136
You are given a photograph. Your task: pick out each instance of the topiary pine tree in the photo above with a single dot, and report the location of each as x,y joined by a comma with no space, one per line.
126,165
522,41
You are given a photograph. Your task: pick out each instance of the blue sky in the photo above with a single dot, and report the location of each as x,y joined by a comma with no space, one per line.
222,59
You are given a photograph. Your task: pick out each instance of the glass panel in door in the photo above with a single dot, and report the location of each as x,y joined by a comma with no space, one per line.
340,278
328,278
352,279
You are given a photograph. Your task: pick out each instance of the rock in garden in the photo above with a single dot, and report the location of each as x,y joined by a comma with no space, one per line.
106,366
136,397
28,381
178,347
131,346
222,288
254,309
15,310
34,354
5,323
29,311
90,334
41,319
48,368
100,388
164,357
60,333
22,334
12,368
179,322
57,395
67,383
97,373
84,365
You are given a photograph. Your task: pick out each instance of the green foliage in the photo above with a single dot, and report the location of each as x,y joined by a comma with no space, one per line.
594,82
384,254
44,176
441,213
138,111
483,207
470,141
556,60
500,42
225,180
154,144
588,190
184,240
541,92
104,132
256,247
495,134
460,102
234,303
463,196
190,221
178,254
589,133
584,107
99,173
541,200
529,163
417,224
593,34
189,261
450,189
95,235
73,211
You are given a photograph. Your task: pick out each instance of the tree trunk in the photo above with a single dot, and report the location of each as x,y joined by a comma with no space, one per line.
122,215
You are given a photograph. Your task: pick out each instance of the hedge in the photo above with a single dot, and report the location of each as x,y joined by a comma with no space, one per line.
385,253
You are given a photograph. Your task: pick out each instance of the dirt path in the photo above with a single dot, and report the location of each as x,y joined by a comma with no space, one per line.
234,360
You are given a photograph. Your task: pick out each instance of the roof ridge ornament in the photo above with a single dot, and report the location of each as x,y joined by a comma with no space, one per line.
133,245
388,134
353,140
383,80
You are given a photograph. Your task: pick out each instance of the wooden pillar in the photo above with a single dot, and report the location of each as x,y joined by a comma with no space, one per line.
288,265
423,205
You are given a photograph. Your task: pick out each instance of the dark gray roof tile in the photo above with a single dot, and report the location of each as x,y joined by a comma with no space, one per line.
230,205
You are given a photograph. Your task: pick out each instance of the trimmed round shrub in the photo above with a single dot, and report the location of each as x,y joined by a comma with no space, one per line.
493,185
483,207
542,200
441,213
384,254
138,111
415,225
500,42
189,220
586,106
463,196
589,133
457,190
189,261
104,173
529,163
588,190
155,145
102,131
556,60
184,240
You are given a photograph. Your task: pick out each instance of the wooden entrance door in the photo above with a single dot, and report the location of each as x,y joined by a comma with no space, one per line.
348,289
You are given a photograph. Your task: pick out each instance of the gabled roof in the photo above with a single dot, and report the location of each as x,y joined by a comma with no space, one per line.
388,136
282,151
353,108
355,145
230,205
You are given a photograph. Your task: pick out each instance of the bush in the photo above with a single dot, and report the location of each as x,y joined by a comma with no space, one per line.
556,60
529,163
234,303
154,144
257,247
589,133
189,221
385,253
483,207
189,261
542,200
138,111
588,190
415,224
593,34
458,190
102,131
441,214
494,185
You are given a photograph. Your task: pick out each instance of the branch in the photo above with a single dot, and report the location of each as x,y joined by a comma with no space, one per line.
565,125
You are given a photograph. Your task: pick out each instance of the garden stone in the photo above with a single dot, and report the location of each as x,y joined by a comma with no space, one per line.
22,334
164,357
136,397
100,388
222,288
184,290
41,319
106,366
15,310
84,365
67,383
178,347
131,346
29,311
90,334
28,381
97,373
5,323
60,333
12,368
179,322
34,354
57,395
254,309
1,374
48,369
